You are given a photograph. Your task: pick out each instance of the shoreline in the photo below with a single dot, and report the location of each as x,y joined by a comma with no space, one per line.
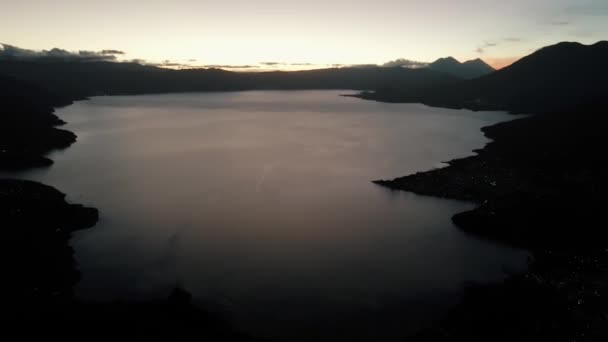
503,179
523,183
39,223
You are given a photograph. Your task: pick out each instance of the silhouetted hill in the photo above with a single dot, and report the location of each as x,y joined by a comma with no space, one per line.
27,123
446,64
81,79
479,66
17,93
467,70
554,78
540,184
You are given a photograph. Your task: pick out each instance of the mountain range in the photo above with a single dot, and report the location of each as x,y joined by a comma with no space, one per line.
78,79
467,70
554,78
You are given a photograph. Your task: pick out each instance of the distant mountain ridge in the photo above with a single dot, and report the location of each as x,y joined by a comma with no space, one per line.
76,79
552,78
555,78
467,70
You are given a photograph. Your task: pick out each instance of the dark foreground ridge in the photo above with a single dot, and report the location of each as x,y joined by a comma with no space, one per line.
37,223
38,301
28,126
539,177
540,184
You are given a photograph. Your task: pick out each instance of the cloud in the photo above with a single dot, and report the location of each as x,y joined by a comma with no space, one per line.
279,65
400,62
112,52
176,65
168,63
482,48
513,39
221,66
10,52
362,66
405,63
137,61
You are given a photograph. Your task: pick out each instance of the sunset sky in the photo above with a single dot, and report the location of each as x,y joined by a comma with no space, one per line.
314,32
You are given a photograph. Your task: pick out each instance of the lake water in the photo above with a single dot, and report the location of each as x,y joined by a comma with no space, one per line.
260,204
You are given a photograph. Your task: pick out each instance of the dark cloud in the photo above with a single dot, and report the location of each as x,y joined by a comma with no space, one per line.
271,63
10,52
301,64
112,52
405,63
16,53
482,48
400,62
164,64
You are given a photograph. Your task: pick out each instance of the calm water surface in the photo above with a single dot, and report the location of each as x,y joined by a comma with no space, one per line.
261,203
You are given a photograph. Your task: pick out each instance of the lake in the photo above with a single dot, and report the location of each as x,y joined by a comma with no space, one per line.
260,204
